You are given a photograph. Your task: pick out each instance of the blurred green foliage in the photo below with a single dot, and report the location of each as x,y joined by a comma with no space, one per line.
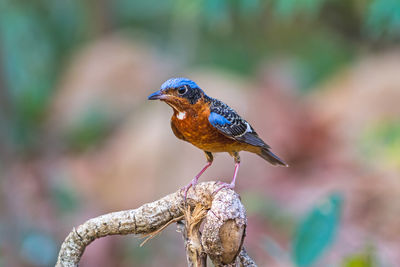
316,231
89,130
28,58
318,37
260,205
38,37
381,142
65,198
383,19
363,259
287,9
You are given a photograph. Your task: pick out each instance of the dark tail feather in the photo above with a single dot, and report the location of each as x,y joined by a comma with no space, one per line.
266,154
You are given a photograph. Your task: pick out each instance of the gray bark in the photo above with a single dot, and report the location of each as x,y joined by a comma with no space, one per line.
221,238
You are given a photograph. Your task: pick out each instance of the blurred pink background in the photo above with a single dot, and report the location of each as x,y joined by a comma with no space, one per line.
102,147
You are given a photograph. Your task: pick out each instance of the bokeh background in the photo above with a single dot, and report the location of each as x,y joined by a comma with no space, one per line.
318,79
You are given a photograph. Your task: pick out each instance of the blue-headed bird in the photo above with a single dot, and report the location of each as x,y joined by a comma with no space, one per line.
210,125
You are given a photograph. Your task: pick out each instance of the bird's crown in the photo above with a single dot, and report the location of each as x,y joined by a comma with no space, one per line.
178,82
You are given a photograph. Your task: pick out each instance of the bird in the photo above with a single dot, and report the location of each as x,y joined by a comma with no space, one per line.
210,125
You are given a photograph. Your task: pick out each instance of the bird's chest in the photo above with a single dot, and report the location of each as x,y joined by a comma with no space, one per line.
196,129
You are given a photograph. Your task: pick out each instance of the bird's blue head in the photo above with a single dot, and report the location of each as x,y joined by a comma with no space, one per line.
178,92
178,82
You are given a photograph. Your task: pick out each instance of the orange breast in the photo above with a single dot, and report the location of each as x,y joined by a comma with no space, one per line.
197,130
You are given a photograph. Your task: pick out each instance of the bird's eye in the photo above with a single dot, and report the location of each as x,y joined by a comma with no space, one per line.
182,90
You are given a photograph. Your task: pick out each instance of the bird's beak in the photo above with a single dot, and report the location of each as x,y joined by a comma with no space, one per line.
157,95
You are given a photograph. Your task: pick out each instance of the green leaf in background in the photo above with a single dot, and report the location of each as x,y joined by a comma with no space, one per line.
316,231
380,143
358,261
363,259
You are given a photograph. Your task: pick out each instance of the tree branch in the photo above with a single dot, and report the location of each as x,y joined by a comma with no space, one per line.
221,239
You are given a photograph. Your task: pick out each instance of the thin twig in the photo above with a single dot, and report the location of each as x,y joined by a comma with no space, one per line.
156,232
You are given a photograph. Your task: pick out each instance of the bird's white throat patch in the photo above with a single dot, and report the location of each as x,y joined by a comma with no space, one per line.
181,115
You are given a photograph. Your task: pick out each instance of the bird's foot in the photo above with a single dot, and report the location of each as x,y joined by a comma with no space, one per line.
186,188
224,185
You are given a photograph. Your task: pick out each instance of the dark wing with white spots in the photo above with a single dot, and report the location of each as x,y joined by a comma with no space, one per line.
228,122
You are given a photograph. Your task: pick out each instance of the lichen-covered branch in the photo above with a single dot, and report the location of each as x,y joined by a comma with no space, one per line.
224,229
245,260
221,240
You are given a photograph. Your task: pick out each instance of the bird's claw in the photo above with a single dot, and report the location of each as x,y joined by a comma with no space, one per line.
224,185
186,188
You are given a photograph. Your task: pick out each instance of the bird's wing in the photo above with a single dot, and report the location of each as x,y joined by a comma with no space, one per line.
229,123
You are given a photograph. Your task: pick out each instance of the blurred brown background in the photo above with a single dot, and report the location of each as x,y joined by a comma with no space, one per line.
319,80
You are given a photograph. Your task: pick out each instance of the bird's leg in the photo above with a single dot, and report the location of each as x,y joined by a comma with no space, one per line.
193,183
232,184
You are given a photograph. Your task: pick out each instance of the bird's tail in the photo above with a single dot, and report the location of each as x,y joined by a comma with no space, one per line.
266,154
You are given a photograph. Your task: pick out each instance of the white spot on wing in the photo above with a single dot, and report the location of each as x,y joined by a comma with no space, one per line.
181,115
248,129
